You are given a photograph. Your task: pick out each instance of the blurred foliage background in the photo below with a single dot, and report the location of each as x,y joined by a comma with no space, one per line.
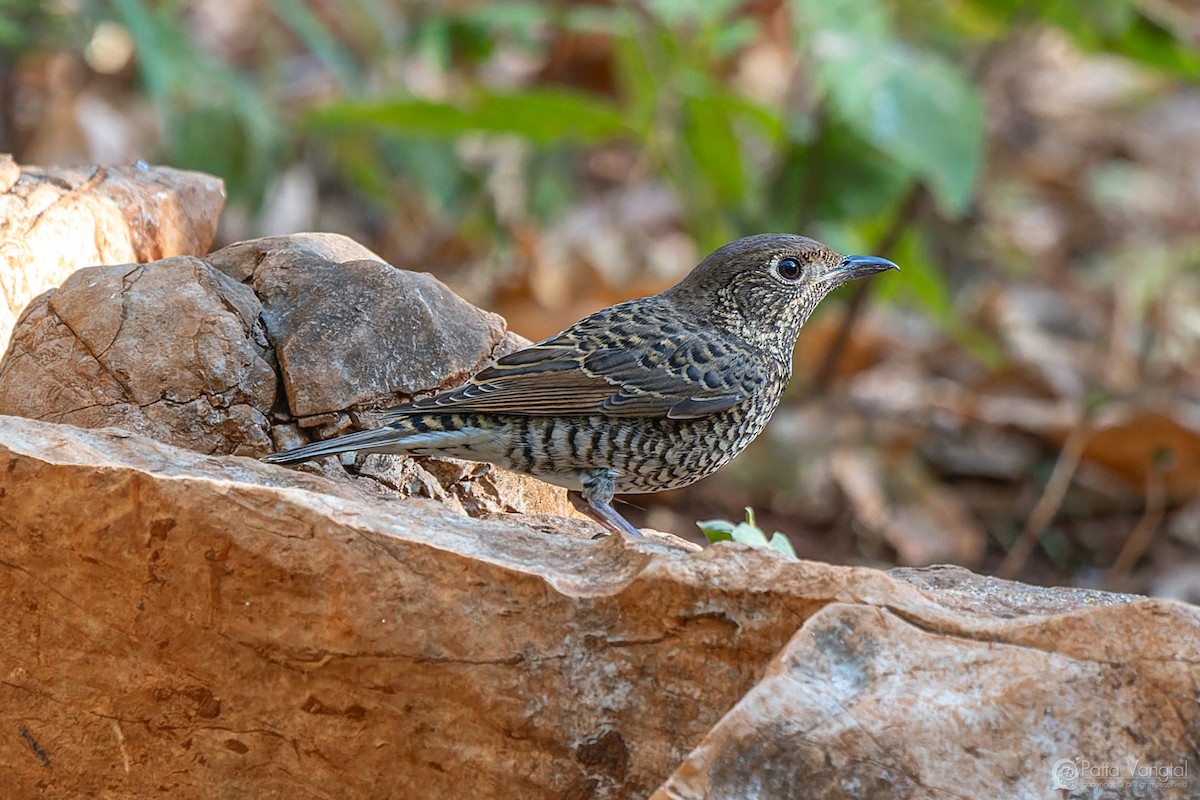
1024,398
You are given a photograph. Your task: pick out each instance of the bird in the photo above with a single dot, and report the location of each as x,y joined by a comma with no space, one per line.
643,396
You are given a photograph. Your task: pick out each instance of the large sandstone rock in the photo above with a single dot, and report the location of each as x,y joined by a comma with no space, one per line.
1006,691
56,220
204,626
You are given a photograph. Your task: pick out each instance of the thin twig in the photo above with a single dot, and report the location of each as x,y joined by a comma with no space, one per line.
1050,501
858,300
1020,24
1143,533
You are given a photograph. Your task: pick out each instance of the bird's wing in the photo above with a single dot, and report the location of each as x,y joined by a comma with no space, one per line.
619,362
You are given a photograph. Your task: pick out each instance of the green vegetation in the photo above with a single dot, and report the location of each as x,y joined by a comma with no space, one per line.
747,532
879,98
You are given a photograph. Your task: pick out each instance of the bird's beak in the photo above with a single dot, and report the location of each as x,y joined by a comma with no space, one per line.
858,267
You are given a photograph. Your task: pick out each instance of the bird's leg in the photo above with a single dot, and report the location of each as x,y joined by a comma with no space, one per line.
599,486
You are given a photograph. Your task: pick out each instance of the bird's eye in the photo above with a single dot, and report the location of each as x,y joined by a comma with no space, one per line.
789,269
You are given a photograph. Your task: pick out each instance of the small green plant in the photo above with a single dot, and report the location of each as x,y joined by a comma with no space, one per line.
720,530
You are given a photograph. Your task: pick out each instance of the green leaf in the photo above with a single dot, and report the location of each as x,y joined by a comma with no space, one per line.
866,20
917,108
746,533
676,12
638,82
148,32
1156,47
912,104
412,117
844,177
1136,29
12,33
317,38
732,36
782,544
510,19
716,530
719,530
923,284
543,116
708,132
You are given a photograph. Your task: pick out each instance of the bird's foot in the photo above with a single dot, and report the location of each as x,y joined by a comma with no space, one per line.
602,511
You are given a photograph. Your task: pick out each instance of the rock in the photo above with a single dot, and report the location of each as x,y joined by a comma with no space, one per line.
177,622
172,349
472,488
56,220
177,350
354,333
1001,691
240,260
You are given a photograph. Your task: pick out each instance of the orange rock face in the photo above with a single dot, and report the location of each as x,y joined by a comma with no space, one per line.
210,626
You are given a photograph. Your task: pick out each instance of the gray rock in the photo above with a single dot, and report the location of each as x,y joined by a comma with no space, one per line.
358,333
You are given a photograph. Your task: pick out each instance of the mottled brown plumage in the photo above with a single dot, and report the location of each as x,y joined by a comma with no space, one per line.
642,396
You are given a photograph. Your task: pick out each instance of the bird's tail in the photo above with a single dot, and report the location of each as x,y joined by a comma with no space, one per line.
371,440
420,435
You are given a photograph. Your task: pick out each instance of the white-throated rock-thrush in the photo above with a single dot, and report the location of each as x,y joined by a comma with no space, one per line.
646,395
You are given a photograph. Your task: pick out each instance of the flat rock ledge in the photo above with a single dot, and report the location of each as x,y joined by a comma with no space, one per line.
208,626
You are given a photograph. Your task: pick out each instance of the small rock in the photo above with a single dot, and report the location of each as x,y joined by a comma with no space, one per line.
359,333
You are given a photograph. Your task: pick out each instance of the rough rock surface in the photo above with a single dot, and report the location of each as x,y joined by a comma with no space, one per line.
177,349
211,626
398,333
1006,691
56,220
172,349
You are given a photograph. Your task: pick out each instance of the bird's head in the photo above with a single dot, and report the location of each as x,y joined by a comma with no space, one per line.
765,287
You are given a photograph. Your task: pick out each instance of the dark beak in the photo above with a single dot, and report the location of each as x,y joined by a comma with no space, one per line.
858,267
